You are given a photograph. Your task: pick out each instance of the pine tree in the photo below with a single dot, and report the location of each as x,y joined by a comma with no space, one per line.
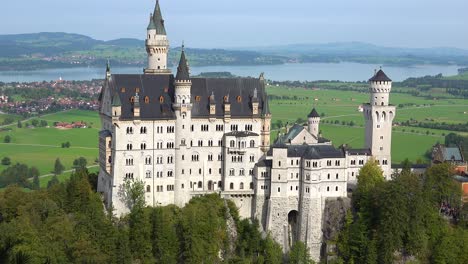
58,167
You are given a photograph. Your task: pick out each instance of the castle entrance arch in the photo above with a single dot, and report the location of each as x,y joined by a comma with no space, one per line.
293,220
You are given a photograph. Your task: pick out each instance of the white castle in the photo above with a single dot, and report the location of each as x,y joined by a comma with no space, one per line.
185,137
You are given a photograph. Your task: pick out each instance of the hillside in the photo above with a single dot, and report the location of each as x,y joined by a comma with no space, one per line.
62,50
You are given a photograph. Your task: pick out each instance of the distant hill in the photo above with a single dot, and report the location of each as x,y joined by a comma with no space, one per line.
59,50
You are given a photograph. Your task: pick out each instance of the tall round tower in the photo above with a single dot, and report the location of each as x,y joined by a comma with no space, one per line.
157,45
379,115
314,123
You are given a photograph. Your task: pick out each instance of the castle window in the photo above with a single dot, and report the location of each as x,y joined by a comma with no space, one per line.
148,188
122,90
251,186
328,189
252,143
198,98
231,186
200,184
225,99
337,176
241,186
132,99
137,90
148,174
161,99
239,99
336,188
146,100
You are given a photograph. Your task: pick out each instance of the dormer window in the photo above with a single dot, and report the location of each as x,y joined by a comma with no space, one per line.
132,99
225,99
198,98
147,100
122,90
239,99
161,99
137,90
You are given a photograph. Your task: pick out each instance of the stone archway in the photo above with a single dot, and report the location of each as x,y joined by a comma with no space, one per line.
293,226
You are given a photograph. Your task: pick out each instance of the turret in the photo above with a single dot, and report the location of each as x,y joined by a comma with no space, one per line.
313,121
380,87
266,123
255,102
182,82
116,106
136,105
157,45
379,115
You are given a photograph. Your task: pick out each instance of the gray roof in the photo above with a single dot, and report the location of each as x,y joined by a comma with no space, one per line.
292,133
265,163
151,24
380,76
183,69
266,105
153,87
313,113
158,20
116,100
241,134
452,153
105,133
311,151
359,152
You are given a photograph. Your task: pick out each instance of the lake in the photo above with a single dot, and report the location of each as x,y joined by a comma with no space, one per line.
345,71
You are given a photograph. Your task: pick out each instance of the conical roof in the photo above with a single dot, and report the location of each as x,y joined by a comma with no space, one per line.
380,76
313,113
266,106
151,24
158,20
183,69
116,100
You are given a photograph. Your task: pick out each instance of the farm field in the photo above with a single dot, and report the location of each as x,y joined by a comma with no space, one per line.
40,147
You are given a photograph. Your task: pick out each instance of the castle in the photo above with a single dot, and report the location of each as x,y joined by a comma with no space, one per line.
186,137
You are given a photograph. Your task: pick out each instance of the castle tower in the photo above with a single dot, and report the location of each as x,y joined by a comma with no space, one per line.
157,45
183,110
378,116
313,121
266,124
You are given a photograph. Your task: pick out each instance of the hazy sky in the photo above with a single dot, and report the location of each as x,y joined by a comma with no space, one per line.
240,23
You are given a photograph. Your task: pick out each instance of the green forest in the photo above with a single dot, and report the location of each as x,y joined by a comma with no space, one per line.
66,223
411,219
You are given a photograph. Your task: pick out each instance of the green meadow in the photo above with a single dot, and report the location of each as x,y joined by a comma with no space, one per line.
40,147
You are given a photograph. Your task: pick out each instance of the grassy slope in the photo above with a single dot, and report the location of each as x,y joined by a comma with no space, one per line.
41,146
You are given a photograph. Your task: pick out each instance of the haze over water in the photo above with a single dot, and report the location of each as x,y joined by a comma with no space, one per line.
345,71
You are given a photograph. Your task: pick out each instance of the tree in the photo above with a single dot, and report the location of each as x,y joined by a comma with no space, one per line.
80,163
272,251
58,167
7,139
132,194
36,183
19,125
369,177
35,122
299,254
52,182
43,123
6,161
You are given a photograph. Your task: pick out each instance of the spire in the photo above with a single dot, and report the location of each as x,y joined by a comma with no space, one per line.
212,98
116,100
108,71
255,95
151,24
158,20
266,106
183,69
313,113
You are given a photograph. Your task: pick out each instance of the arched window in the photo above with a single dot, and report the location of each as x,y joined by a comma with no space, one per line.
122,90
147,100
251,186
252,143
148,188
200,184
232,143
241,186
225,99
239,99
132,99
161,99
231,186
197,98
